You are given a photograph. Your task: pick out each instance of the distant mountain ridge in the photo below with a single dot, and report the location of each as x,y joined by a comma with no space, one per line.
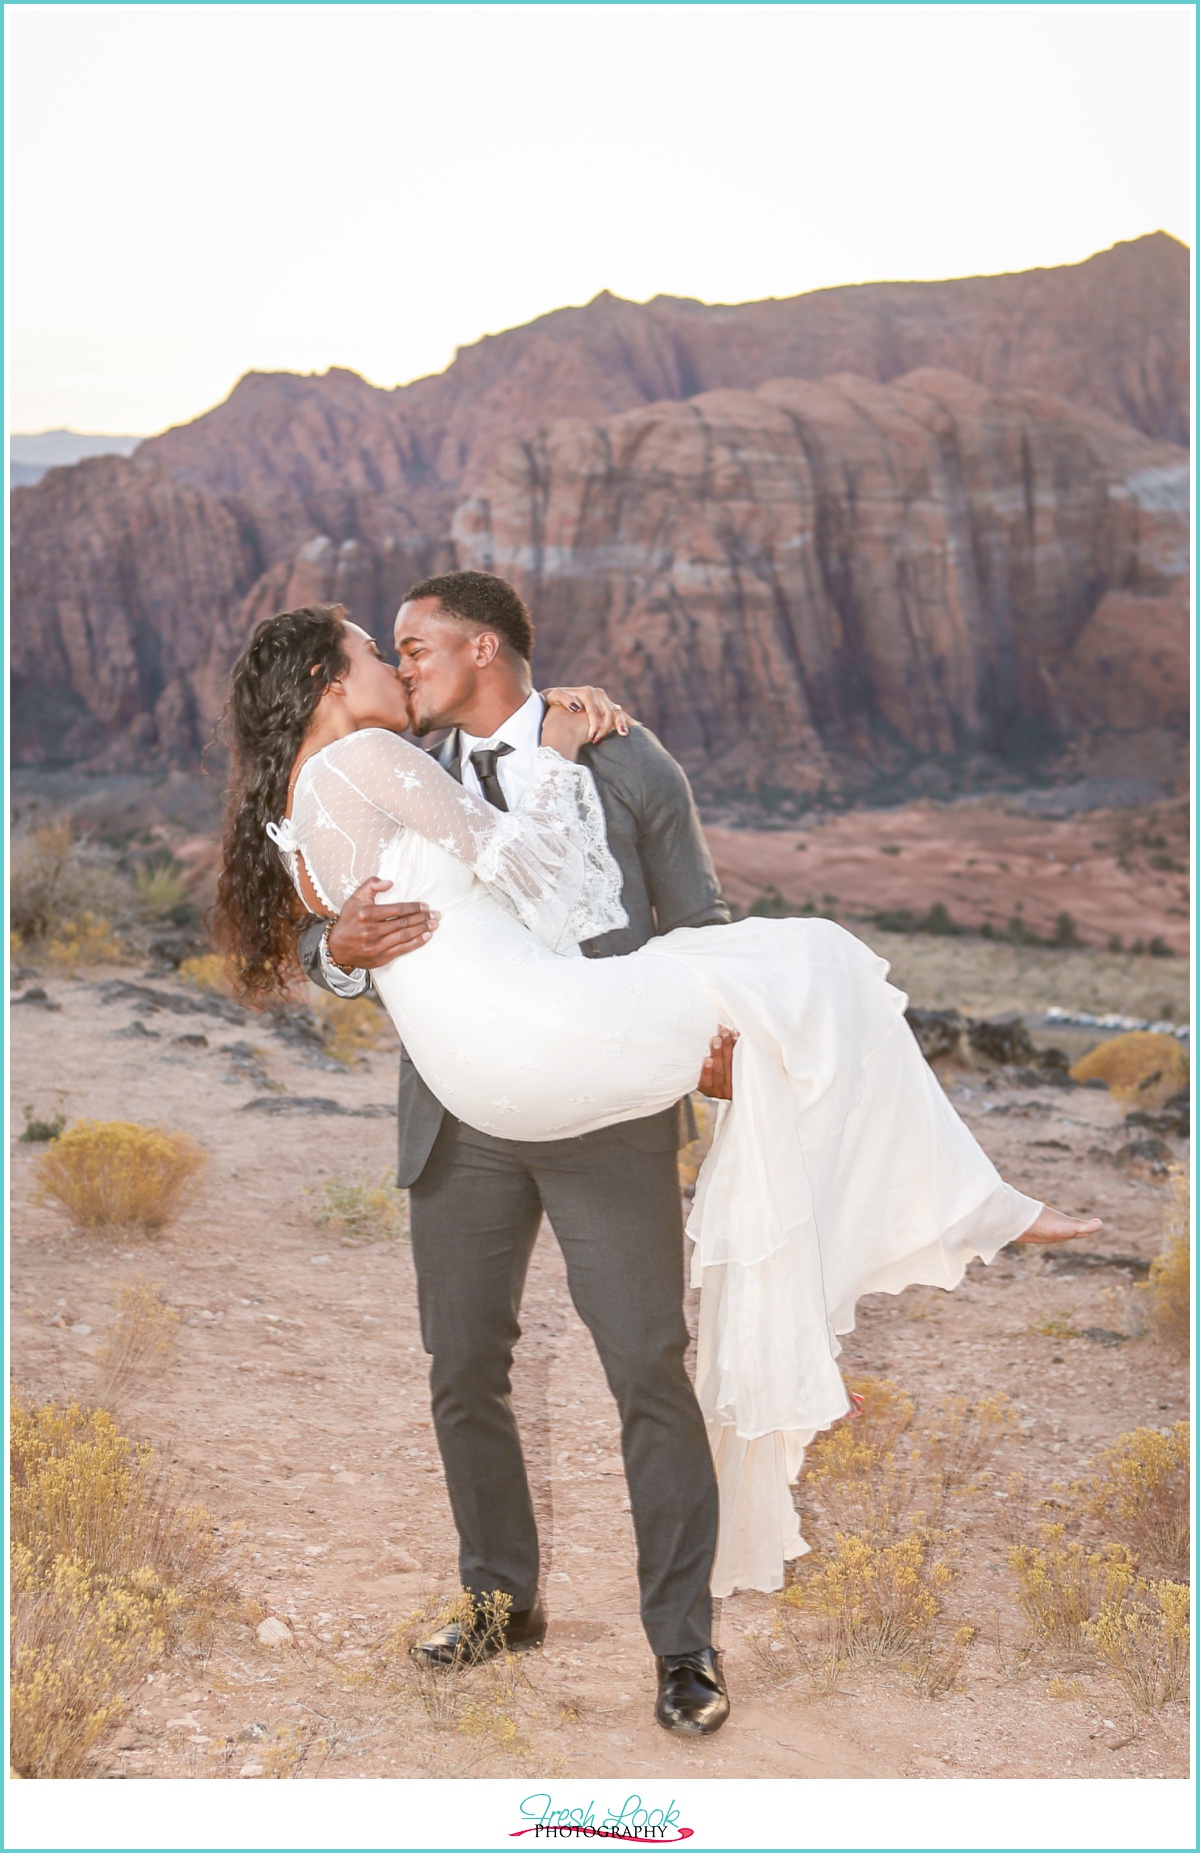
32,453
134,581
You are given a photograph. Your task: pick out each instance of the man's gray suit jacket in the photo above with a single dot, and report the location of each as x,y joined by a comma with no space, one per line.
668,881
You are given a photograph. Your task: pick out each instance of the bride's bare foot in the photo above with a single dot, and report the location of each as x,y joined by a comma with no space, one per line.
1053,1226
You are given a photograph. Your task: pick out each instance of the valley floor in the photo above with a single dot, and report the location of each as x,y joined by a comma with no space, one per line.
297,1412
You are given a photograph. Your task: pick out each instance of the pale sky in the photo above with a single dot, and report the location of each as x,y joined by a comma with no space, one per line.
194,191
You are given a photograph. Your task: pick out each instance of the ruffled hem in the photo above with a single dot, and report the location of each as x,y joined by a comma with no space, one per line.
839,1169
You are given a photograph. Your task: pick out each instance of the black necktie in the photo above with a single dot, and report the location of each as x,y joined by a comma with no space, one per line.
484,761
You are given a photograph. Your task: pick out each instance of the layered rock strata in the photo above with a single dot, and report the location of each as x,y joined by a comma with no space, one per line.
805,585
795,577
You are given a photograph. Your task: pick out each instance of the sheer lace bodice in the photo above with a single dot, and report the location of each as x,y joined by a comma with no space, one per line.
547,863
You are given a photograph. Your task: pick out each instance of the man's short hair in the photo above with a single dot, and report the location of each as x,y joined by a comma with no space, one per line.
482,599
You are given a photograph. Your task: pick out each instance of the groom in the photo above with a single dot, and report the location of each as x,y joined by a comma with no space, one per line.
464,641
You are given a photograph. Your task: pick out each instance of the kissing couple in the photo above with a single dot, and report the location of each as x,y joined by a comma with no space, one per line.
540,916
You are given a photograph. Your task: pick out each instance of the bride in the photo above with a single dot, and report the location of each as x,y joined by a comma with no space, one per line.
838,1169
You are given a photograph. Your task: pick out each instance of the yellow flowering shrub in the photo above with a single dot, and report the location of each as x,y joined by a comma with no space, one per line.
1062,1587
876,1601
1145,1643
207,972
88,940
107,1570
1141,1488
112,1174
76,1641
1141,1068
692,1155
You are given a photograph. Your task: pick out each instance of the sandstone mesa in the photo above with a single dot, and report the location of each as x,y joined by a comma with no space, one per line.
812,542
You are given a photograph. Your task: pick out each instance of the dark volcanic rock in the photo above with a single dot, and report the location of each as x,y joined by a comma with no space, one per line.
939,1032
1004,1040
315,1103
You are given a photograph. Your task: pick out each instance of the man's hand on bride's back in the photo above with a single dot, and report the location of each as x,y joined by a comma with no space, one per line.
367,934
603,715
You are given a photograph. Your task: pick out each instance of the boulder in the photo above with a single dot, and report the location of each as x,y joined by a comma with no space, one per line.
939,1032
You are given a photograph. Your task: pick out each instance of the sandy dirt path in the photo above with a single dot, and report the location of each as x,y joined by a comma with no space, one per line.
297,1411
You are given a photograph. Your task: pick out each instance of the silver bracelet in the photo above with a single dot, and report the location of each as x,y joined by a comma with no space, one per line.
324,944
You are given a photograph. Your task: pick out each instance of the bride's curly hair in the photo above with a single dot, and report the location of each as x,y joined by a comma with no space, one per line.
277,682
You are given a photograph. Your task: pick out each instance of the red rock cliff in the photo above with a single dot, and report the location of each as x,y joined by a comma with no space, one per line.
814,583
906,620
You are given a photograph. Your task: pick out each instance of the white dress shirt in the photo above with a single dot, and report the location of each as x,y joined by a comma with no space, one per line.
522,732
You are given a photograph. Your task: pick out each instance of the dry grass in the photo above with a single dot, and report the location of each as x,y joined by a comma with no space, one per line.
853,1476
82,1490
1014,1510
351,1027
692,1155
939,1668
207,972
857,1489
887,1413
1141,1489
967,1439
365,1209
57,881
288,1751
1165,1299
877,1476
1054,1325
484,1698
161,887
1145,1643
142,1341
113,1175
1141,1068
108,1572
1062,1587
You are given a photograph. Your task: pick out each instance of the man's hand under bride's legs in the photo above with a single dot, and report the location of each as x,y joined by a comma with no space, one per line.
716,1076
367,934
1053,1226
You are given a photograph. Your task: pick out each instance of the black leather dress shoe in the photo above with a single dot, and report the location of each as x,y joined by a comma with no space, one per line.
482,1637
691,1692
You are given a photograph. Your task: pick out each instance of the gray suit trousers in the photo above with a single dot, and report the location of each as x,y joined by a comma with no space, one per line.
615,1211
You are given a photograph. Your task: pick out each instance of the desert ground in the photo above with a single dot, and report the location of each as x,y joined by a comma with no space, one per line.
988,862
295,1408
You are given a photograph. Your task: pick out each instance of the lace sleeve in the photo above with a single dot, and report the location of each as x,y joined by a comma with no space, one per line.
548,862
559,818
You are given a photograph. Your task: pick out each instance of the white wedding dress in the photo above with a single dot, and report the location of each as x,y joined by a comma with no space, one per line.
838,1169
